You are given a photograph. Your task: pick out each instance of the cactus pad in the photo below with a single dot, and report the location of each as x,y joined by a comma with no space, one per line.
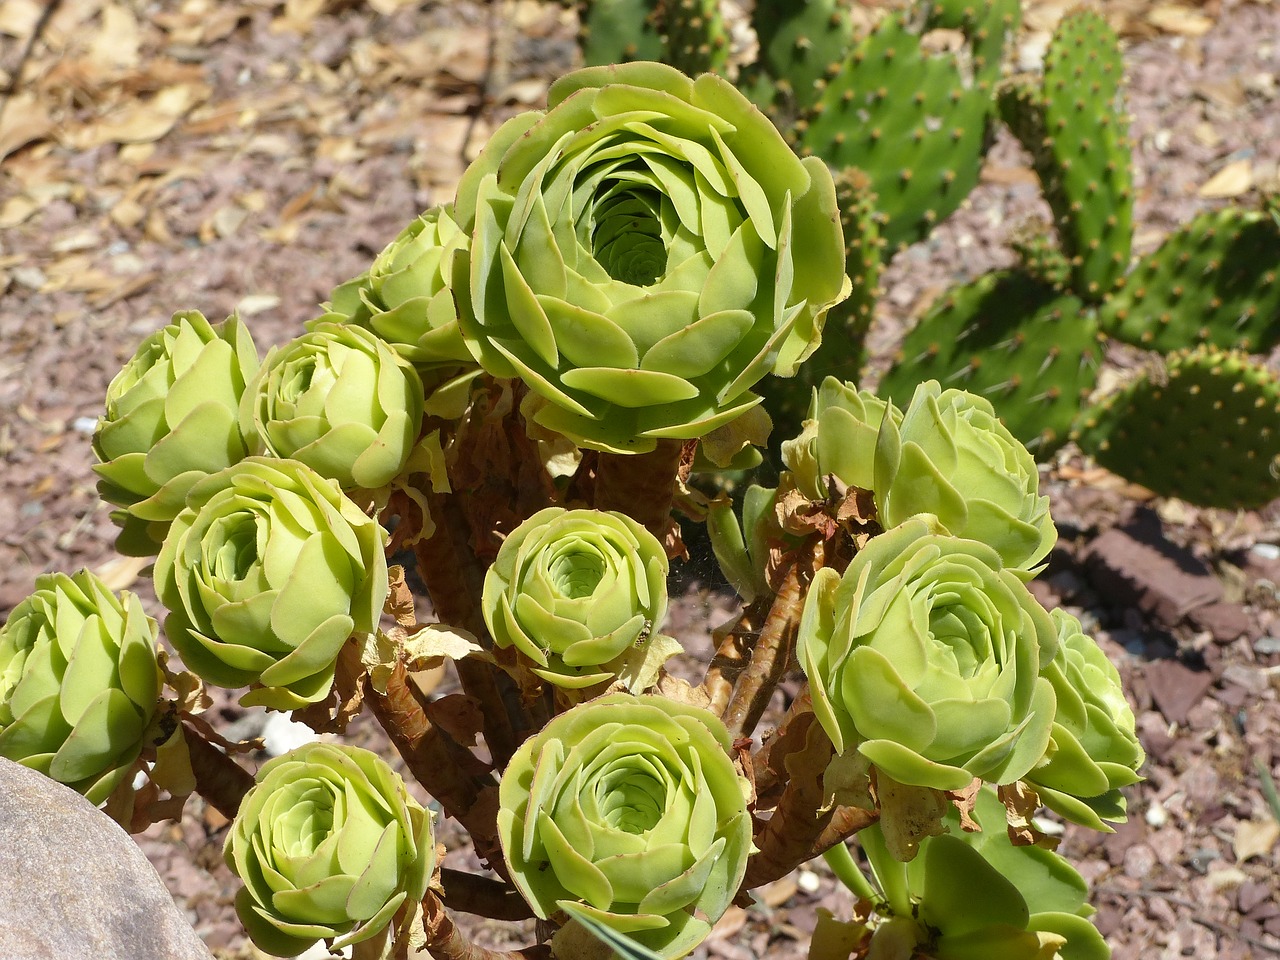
619,31
1216,280
696,38
802,43
1205,426
1077,133
923,149
1032,351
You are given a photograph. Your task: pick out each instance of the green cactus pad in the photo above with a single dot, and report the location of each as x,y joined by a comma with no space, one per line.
842,352
1205,426
1039,255
696,38
1214,281
924,150
1032,351
1076,130
802,43
619,31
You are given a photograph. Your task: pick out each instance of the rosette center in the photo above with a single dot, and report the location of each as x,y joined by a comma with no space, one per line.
626,235
577,571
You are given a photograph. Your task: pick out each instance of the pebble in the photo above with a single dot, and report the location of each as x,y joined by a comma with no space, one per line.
85,425
1156,815
1267,645
1139,860
280,734
808,881
1266,551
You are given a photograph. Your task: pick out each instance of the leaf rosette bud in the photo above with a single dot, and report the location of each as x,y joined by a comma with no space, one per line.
1093,747
406,296
838,439
341,401
329,845
172,417
632,807
953,458
576,591
266,573
645,252
924,658
79,682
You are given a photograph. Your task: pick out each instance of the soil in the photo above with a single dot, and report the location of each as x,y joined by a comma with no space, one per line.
251,154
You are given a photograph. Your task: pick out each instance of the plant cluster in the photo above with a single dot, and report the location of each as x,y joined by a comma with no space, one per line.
1202,306
518,392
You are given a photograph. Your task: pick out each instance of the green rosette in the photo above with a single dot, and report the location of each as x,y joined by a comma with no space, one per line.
838,438
925,659
643,253
266,573
329,845
406,297
577,592
79,682
631,808
341,401
1093,748
952,457
172,417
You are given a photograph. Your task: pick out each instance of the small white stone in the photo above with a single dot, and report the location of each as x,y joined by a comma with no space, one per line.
1266,551
1156,816
807,881
280,734
85,425
1050,828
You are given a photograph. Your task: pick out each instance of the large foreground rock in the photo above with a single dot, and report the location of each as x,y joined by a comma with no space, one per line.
74,885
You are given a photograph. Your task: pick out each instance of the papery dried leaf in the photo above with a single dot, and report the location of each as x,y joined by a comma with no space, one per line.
908,814
457,715
964,801
1020,804
681,691
435,643
721,445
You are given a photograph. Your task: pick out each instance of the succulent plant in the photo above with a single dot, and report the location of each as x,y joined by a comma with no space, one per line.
329,845
578,592
340,400
171,418
406,296
631,807
644,253
79,682
924,659
266,573
839,439
1093,748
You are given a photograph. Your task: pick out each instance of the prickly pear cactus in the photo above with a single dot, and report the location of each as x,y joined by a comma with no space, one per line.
1204,426
914,119
619,31
1040,256
802,43
1076,130
842,352
695,34
1213,281
1030,349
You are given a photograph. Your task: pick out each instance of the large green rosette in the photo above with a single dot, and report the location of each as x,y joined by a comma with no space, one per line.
643,253
266,573
172,417
576,591
1093,748
631,807
79,682
329,845
925,657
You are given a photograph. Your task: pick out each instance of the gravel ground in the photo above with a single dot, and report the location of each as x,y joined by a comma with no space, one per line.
250,154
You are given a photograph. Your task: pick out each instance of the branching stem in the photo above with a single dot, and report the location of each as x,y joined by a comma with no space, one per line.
446,942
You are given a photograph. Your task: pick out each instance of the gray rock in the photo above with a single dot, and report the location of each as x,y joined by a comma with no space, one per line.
76,886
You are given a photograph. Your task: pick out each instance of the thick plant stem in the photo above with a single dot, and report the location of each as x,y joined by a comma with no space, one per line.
482,896
455,581
446,769
640,485
772,652
446,942
219,779
733,654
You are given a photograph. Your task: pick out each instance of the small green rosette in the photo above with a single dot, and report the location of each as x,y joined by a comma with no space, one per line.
578,592
631,808
341,401
406,297
172,417
266,573
79,682
838,439
1093,747
925,659
329,845
643,253
953,458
